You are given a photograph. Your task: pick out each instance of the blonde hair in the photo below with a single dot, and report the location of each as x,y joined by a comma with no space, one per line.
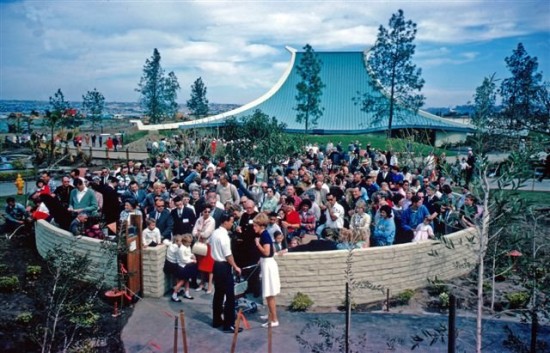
261,219
187,238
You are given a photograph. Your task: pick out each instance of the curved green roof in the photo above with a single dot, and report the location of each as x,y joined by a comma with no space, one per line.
346,77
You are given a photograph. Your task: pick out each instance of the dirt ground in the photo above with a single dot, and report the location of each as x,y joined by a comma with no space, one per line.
18,331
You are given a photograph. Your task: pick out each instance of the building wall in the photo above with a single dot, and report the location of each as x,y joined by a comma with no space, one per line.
102,255
442,137
321,275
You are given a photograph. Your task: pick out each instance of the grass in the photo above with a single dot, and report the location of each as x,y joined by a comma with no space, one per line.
377,141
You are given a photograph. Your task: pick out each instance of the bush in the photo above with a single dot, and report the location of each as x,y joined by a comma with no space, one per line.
24,318
9,284
404,297
33,271
444,300
517,300
437,287
301,302
3,269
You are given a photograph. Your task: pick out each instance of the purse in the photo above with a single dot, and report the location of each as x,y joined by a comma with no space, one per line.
200,249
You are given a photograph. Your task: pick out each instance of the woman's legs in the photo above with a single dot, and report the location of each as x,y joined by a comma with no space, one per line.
272,308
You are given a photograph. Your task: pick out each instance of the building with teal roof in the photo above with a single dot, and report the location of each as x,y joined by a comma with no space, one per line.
346,78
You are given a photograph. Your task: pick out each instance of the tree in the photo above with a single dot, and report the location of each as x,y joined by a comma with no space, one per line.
485,102
94,103
390,61
198,104
310,89
158,91
260,138
54,117
520,92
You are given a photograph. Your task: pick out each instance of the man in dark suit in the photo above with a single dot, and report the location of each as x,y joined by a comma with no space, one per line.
384,175
134,193
165,222
183,217
111,202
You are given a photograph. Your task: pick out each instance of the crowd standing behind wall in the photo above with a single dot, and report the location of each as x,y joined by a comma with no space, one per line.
319,198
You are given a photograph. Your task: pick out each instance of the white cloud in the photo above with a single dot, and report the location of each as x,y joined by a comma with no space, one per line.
82,44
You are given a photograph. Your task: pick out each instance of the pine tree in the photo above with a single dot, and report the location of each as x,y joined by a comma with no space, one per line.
94,103
198,104
485,102
158,92
521,92
390,61
54,117
310,89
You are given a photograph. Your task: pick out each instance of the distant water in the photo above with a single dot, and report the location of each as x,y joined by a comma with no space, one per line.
27,106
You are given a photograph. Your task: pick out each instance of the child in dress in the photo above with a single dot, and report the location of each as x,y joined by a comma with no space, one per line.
150,235
424,231
171,261
187,267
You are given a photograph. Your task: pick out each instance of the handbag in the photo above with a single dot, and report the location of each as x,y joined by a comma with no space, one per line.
200,249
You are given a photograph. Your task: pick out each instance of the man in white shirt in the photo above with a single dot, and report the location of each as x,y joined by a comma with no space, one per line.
334,213
223,278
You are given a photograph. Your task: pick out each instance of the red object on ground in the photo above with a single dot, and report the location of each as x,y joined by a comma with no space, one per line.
514,253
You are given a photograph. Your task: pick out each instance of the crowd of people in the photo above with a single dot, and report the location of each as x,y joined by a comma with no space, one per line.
325,199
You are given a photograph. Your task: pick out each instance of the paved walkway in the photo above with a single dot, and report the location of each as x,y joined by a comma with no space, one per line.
151,329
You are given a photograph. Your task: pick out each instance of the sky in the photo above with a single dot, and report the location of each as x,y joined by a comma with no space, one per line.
238,47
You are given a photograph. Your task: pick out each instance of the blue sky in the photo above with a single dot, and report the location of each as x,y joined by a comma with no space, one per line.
238,47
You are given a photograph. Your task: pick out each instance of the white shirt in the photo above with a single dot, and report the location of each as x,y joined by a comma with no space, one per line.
339,212
203,229
148,236
221,244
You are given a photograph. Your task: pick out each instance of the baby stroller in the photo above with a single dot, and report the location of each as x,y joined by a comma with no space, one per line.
241,285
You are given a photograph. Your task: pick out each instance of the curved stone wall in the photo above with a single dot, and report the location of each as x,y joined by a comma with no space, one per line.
320,275
102,255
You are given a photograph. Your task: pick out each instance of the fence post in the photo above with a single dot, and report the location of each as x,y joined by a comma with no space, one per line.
452,324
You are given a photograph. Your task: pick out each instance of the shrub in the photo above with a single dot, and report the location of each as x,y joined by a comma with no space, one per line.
404,297
9,283
24,318
34,271
444,300
3,269
517,300
437,287
301,302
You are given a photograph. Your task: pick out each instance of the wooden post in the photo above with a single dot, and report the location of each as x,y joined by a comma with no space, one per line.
175,334
183,332
236,333
451,347
348,318
387,299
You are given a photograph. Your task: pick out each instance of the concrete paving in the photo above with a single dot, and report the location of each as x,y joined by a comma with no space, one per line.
151,328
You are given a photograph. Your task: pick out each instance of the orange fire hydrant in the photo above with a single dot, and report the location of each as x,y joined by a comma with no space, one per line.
19,184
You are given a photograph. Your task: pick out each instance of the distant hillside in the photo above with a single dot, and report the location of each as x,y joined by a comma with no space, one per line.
124,108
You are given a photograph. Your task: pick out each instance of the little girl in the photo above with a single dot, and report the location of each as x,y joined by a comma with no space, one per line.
187,267
151,235
278,244
171,261
424,231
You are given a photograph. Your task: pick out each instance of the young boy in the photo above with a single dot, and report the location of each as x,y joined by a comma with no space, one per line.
151,235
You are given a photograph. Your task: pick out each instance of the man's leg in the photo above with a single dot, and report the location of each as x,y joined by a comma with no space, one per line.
217,302
229,307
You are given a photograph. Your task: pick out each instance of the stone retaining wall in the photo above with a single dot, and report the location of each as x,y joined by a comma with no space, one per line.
102,255
320,275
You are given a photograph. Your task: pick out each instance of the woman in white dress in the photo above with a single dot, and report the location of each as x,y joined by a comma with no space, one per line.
271,284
